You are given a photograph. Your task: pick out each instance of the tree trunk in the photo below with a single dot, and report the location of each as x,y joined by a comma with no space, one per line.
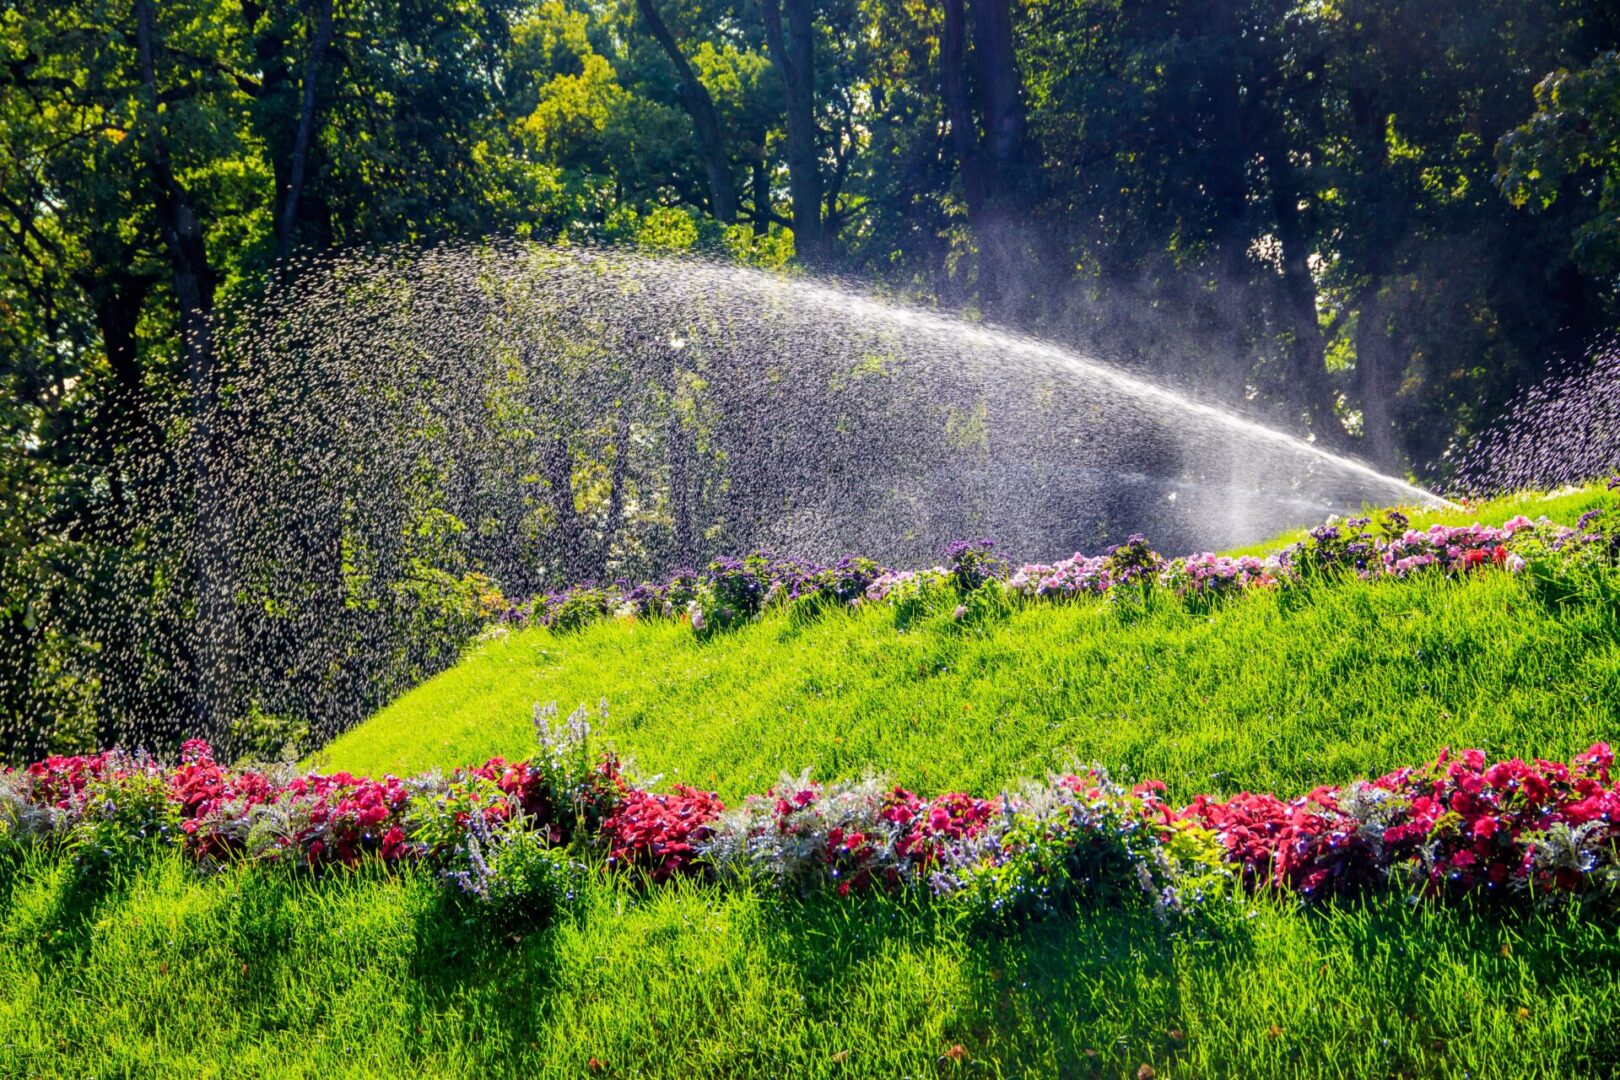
677,451
615,514
182,232
1227,181
1228,189
694,98
118,305
1309,386
793,54
287,220
194,283
1378,369
996,180
964,132
573,553
1006,129
1375,366
761,193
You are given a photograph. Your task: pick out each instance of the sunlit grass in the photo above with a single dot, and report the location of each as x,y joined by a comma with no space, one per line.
256,972
1262,692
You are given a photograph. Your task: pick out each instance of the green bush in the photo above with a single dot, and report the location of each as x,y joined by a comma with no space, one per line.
515,874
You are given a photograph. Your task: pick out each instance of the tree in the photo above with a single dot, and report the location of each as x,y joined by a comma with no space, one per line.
794,54
1569,150
695,99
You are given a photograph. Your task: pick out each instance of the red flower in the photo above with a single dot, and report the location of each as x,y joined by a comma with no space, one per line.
658,833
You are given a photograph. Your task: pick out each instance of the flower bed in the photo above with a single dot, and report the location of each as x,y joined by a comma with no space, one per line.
517,835
732,591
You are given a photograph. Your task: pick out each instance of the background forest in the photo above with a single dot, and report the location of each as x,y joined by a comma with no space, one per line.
1370,222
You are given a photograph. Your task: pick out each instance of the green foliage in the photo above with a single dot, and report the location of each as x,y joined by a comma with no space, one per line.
123,820
436,823
1561,580
983,607
1570,149
258,735
920,595
522,880
1048,872
580,606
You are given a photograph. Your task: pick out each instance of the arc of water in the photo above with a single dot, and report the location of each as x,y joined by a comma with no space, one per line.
1066,359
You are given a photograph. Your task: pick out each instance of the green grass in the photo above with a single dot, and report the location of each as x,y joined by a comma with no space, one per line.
255,971
1260,693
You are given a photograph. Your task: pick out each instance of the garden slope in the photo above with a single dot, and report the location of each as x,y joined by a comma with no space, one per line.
1263,692
255,971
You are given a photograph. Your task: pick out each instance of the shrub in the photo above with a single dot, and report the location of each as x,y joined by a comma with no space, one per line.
1563,563
1201,580
258,735
1455,828
659,834
845,581
1134,563
509,868
574,608
732,591
1019,855
971,563
913,594
989,602
124,813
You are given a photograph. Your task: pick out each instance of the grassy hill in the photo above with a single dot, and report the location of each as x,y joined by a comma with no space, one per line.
1262,693
254,971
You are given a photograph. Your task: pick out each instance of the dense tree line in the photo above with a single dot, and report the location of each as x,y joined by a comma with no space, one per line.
1375,222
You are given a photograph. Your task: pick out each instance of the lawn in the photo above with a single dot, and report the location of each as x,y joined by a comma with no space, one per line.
1262,693
254,971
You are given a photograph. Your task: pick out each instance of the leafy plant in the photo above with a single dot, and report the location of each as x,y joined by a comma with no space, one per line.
512,871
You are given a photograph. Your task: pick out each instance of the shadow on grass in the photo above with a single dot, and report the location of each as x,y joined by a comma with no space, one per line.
1090,993
67,902
1565,952
459,956
1106,989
